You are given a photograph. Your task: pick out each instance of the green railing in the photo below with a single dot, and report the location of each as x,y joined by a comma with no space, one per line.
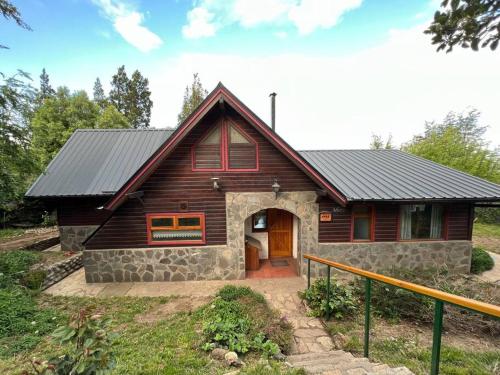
439,297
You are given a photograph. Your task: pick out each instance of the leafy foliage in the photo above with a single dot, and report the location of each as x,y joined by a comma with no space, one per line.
378,143
92,352
98,95
16,165
232,321
46,90
341,303
14,264
132,97
9,11
481,261
458,143
469,23
193,96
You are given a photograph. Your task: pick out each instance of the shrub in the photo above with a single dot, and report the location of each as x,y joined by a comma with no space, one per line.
342,301
280,331
34,279
238,320
481,261
92,348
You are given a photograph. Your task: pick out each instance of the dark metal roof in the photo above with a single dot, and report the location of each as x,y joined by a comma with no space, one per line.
396,175
97,162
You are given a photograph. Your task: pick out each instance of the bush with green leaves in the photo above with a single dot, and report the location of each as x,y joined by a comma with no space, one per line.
238,319
15,263
342,301
91,344
481,261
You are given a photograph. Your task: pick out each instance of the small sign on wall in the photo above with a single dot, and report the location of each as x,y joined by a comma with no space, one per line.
325,217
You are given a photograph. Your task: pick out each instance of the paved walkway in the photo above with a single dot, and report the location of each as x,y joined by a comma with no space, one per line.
493,275
312,348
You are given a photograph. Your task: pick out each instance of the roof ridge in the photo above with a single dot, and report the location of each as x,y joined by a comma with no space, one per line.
124,130
351,149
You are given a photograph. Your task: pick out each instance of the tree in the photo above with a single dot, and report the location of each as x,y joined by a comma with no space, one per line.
9,11
111,118
139,101
16,163
377,143
132,97
59,116
458,142
193,96
99,95
46,90
469,23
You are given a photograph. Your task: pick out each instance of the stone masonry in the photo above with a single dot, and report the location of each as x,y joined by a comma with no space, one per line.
58,271
379,256
240,206
161,264
73,236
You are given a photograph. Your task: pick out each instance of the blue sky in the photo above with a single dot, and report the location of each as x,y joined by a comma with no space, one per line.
352,53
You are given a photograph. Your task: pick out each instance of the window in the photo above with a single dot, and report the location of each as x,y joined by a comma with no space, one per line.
362,220
226,147
176,229
242,153
208,152
421,222
259,221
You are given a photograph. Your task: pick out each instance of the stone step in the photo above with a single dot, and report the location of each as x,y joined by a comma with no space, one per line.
338,362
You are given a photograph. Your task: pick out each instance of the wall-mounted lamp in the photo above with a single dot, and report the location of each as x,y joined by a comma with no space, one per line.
276,188
215,183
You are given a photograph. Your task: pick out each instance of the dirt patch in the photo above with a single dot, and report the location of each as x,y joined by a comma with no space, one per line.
28,239
166,310
488,243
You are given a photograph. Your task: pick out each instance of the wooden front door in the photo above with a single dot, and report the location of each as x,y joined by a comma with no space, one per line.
280,229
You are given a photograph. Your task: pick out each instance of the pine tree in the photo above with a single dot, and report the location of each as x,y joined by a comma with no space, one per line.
193,96
132,97
99,95
139,101
46,90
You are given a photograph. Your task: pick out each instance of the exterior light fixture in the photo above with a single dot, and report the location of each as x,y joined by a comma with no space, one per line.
215,183
276,187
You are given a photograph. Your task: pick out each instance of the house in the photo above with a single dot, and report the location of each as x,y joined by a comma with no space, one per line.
161,205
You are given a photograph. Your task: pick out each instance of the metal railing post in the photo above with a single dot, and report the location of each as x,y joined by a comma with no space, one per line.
308,273
328,294
436,336
368,296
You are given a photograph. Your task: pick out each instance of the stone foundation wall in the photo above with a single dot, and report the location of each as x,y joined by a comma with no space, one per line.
161,264
60,270
379,256
72,236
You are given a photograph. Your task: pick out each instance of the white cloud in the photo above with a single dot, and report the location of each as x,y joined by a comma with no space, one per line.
306,15
312,14
281,34
128,23
199,24
338,102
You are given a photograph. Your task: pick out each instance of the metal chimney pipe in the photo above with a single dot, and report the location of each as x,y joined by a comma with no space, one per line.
273,110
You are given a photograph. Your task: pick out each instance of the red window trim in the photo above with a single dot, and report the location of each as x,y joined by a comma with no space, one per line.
372,222
201,215
224,145
444,236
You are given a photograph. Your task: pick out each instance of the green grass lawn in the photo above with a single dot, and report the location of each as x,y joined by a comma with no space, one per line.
487,230
9,233
167,346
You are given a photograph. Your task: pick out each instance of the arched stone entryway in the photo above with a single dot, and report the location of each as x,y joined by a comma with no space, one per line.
302,204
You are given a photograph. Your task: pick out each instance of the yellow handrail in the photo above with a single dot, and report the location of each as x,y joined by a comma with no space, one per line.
468,303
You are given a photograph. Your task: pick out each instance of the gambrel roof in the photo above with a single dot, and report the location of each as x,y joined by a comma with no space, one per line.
116,162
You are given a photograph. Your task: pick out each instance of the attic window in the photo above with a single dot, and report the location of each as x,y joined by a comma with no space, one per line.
208,152
225,148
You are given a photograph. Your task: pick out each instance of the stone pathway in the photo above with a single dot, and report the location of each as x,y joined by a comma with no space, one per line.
312,349
493,275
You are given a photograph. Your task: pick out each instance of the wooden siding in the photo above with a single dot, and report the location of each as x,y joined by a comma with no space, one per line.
458,225
174,182
81,211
